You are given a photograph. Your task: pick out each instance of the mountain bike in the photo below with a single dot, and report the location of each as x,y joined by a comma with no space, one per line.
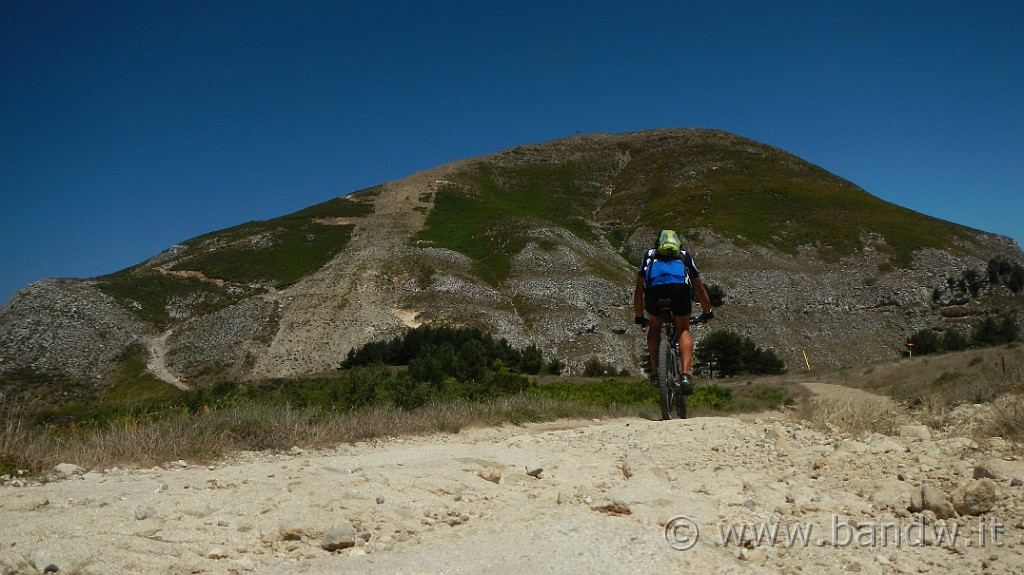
671,396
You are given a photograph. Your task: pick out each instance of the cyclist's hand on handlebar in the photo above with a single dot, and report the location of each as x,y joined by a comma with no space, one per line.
641,321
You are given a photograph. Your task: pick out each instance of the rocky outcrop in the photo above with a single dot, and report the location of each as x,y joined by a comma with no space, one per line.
67,326
230,340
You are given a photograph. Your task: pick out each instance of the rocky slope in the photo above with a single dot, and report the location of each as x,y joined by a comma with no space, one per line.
763,494
536,244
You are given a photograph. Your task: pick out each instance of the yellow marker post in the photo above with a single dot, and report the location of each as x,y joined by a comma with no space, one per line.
807,362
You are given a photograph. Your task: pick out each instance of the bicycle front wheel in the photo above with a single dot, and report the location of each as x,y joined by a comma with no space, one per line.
678,399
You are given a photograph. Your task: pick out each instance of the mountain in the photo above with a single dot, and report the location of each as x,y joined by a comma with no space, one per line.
536,244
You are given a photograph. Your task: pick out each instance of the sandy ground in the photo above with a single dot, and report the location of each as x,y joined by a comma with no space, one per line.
616,496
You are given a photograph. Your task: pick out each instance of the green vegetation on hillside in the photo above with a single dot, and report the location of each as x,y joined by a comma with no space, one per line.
991,331
760,195
1002,271
147,293
277,253
487,214
26,389
133,391
247,257
344,207
746,191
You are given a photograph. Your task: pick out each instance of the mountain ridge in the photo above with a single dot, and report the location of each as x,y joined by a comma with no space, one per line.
536,244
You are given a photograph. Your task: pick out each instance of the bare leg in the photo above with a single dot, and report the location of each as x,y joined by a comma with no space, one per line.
653,339
685,342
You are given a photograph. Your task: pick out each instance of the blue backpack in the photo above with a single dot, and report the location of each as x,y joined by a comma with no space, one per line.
666,270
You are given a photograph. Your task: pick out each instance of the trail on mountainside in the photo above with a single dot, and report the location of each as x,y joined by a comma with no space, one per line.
157,364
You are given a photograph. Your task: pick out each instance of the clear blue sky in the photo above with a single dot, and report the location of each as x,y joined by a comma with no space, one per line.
127,127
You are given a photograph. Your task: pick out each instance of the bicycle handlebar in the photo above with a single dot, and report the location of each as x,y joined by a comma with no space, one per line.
643,322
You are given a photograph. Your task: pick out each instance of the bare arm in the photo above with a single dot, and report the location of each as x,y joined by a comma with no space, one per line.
702,294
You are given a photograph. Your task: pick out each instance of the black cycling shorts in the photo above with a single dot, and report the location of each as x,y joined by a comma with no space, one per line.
678,293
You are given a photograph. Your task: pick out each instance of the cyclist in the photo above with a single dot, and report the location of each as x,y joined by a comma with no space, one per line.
667,271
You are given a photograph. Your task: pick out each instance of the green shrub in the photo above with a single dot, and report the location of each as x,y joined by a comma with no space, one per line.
954,340
993,331
925,342
532,359
604,393
595,368
712,397
716,294
724,353
554,367
1001,270
466,362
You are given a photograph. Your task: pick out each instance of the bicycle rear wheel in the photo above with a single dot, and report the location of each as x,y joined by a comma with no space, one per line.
668,389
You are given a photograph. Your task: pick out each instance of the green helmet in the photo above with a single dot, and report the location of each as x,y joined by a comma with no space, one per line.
669,244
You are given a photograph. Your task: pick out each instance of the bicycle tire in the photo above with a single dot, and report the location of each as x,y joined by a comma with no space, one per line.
666,381
671,399
679,400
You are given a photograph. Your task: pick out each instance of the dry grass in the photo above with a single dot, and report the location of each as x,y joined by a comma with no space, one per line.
253,426
1003,418
976,375
940,390
964,393
854,416
205,437
1009,420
